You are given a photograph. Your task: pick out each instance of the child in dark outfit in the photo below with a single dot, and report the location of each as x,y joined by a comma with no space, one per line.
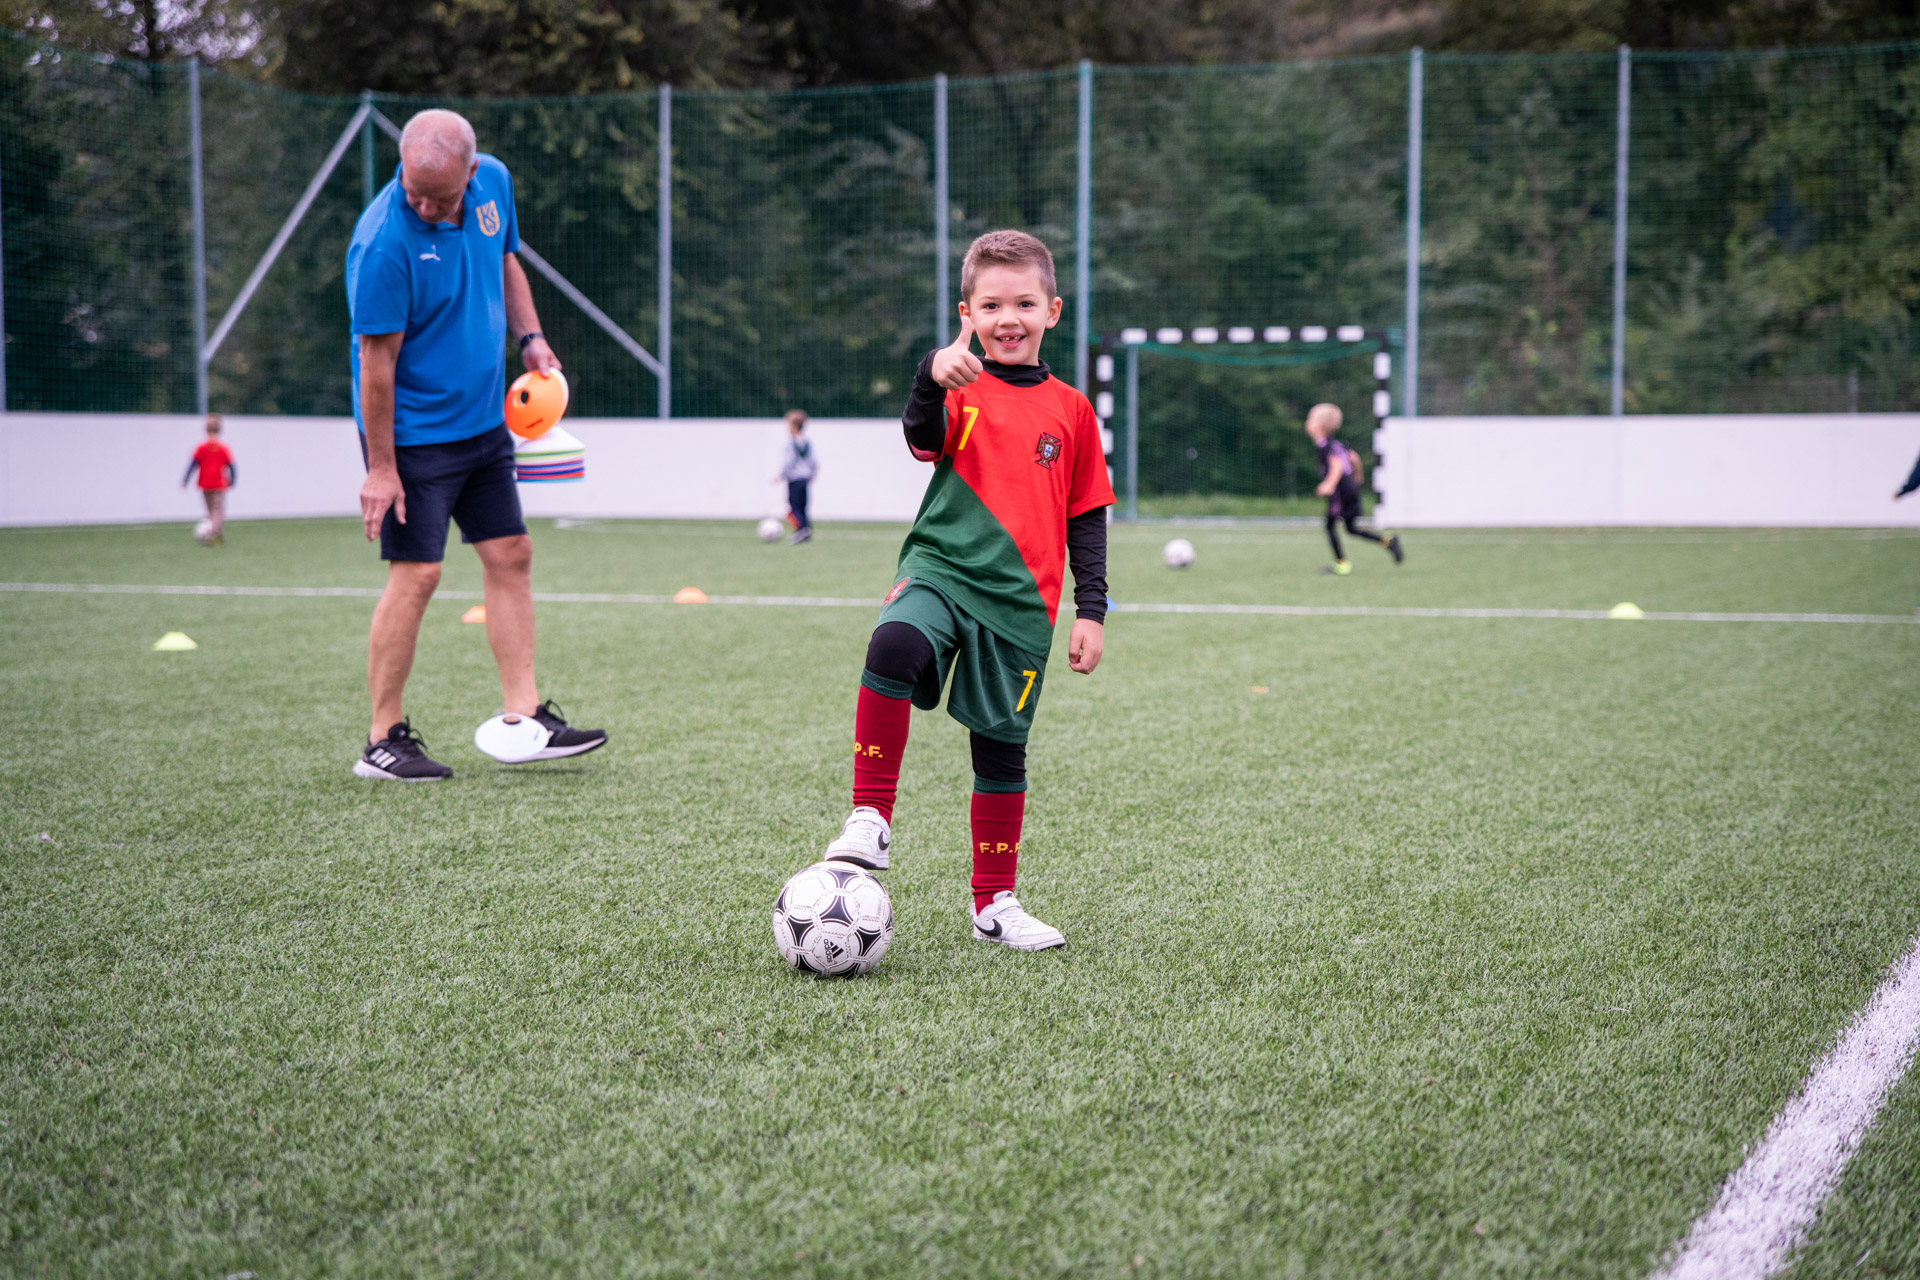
1340,486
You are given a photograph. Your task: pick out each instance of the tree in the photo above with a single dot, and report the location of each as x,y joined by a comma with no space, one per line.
146,30
502,48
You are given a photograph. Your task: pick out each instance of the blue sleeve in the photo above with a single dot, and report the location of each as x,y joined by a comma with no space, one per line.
379,288
193,465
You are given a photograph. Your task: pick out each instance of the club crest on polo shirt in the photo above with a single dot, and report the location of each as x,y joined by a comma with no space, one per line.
1046,450
489,215
898,587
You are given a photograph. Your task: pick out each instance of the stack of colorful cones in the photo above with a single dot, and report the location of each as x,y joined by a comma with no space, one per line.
551,456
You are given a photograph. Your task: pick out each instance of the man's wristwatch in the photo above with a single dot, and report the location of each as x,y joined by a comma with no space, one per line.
529,337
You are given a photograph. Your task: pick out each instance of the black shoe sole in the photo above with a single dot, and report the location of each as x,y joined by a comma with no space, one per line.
561,753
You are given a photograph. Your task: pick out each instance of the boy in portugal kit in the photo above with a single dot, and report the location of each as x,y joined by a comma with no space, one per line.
1019,493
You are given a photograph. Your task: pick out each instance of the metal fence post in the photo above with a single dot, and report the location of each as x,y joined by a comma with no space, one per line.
942,211
1133,433
1416,94
367,187
663,344
1621,130
199,240
1083,234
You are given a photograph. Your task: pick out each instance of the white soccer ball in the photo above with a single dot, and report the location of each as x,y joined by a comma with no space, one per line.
833,920
770,529
1178,554
203,532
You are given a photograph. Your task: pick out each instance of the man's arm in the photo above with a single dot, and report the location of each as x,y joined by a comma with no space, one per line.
522,319
379,353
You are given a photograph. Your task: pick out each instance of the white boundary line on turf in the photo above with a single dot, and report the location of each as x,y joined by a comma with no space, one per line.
1762,1215
861,602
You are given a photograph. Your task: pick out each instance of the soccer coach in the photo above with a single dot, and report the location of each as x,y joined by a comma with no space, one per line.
433,289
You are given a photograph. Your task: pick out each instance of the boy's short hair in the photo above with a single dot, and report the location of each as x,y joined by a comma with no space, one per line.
796,417
1007,249
213,424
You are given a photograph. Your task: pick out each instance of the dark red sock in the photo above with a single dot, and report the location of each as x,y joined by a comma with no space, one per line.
879,740
996,843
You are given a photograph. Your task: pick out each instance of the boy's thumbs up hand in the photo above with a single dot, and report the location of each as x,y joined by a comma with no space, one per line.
955,366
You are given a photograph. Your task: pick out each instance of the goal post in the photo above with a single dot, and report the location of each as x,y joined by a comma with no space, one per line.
1243,422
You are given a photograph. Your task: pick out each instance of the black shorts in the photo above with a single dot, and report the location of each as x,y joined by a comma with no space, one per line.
470,482
1344,502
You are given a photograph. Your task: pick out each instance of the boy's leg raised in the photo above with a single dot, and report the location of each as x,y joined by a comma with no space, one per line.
897,656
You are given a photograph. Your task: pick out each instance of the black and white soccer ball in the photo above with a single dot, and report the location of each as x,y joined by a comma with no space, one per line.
833,919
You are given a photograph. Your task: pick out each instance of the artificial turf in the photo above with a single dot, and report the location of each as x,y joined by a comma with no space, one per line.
1397,946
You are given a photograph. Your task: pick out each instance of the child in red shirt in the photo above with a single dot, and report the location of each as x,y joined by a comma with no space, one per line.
214,461
1019,495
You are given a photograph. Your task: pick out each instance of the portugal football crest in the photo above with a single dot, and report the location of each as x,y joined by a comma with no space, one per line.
1046,451
489,214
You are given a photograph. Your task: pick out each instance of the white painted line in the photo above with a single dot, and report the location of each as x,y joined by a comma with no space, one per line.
1764,1210
1583,615
861,602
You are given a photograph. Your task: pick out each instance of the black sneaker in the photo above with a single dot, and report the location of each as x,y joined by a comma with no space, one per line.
1393,548
401,756
565,740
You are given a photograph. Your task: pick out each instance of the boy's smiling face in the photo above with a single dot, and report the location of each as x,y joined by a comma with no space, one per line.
1011,312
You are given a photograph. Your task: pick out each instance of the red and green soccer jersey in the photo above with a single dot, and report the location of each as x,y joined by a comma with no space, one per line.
1018,463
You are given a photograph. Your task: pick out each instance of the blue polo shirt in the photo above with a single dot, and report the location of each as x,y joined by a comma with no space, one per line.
441,285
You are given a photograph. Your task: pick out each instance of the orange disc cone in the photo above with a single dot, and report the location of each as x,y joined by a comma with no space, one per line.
535,402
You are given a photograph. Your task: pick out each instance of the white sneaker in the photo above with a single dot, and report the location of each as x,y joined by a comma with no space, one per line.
1006,922
864,841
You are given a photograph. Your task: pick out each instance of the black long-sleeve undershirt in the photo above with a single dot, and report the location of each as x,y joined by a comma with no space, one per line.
924,422
925,418
1087,557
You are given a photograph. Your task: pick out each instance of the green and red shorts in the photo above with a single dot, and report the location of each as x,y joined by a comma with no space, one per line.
994,685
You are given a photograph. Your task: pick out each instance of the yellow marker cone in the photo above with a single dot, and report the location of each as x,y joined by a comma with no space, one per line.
476,614
1626,610
689,595
174,642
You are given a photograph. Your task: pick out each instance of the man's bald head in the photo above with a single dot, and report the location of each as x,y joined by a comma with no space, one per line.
436,159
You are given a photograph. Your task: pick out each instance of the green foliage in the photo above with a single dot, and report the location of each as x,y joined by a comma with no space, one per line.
1770,234
492,48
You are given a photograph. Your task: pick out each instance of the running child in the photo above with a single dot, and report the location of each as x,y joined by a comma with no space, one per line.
1340,477
1019,491
214,461
798,469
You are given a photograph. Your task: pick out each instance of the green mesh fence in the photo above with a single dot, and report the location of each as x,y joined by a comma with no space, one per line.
1770,218
1262,196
